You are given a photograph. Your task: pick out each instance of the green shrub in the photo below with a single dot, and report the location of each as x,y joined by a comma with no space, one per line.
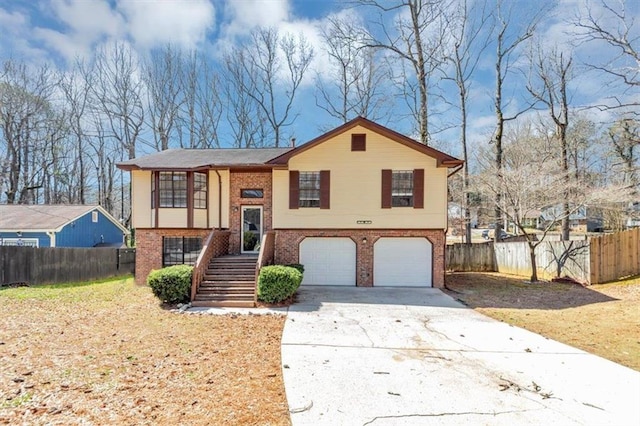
250,240
297,266
172,284
277,283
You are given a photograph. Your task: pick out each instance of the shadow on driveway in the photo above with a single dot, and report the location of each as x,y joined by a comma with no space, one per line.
312,298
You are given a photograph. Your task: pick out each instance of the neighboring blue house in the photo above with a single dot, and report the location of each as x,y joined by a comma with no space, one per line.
59,226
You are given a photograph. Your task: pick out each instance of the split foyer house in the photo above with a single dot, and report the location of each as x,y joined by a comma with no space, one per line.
361,205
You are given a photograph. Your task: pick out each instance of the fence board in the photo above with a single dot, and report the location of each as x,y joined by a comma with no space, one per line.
601,259
553,259
470,257
615,256
57,265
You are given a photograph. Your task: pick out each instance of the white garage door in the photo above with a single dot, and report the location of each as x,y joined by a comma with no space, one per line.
328,261
402,262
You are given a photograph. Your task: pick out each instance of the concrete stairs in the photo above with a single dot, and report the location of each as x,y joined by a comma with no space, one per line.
228,281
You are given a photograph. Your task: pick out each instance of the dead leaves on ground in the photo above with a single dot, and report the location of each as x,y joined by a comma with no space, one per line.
108,354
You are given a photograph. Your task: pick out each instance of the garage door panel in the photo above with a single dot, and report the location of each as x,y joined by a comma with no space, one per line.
402,262
328,261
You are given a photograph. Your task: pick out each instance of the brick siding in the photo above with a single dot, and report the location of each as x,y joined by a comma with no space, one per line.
247,180
288,248
149,247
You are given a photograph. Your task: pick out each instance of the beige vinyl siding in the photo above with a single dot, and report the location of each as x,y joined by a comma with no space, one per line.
172,218
199,218
144,217
213,198
141,216
356,186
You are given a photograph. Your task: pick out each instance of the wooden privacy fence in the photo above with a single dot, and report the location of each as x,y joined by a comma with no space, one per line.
614,256
58,265
470,257
601,259
553,259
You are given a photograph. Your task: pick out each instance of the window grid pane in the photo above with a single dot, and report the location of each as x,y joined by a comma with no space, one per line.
180,250
199,190
309,189
173,189
402,188
153,190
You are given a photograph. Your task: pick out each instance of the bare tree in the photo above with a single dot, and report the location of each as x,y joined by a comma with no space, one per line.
248,125
354,84
469,36
416,36
609,22
510,34
552,72
530,181
75,86
202,106
118,90
273,67
162,74
624,136
28,125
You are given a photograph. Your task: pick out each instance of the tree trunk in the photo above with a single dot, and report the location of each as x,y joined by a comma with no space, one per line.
534,267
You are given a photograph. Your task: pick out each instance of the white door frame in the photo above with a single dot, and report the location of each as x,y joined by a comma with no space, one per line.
242,210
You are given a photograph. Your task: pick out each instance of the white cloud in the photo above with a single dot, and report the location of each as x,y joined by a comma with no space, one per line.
154,23
245,15
84,23
81,25
15,37
91,19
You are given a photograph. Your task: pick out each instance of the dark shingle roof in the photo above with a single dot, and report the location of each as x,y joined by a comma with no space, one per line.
177,159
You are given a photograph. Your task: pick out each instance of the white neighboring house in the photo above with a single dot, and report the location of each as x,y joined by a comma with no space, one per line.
634,217
456,215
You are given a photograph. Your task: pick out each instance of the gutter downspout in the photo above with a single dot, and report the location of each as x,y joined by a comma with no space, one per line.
219,200
52,238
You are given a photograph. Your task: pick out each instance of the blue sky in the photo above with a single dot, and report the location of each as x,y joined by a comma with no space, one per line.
57,31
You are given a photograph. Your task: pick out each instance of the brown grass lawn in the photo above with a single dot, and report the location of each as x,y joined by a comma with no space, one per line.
600,319
108,353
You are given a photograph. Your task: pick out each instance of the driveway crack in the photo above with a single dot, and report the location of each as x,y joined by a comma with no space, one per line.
462,413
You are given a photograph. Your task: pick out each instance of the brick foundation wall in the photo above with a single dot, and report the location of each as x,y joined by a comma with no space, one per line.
288,243
149,248
247,180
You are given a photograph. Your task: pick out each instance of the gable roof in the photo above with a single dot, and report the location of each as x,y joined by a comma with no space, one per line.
194,159
45,217
443,160
199,159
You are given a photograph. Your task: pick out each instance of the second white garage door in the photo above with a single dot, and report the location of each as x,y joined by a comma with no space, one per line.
328,261
402,262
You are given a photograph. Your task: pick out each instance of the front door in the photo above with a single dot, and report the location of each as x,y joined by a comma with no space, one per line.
251,235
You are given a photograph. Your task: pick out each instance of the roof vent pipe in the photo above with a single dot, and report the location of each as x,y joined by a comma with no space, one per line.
293,142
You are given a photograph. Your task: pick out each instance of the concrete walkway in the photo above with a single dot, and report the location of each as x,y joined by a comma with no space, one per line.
381,356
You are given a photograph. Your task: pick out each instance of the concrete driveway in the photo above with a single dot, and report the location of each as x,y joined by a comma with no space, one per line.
382,356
